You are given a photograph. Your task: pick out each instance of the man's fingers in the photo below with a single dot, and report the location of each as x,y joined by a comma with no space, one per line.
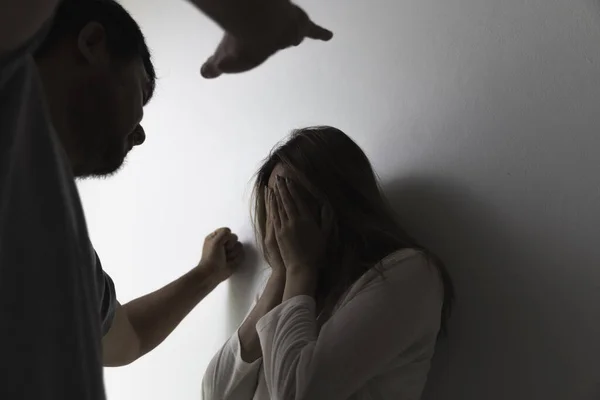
235,250
317,32
237,255
236,247
210,69
220,235
231,241
227,65
236,63
233,56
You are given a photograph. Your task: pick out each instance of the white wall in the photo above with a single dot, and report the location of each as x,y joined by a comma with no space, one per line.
482,117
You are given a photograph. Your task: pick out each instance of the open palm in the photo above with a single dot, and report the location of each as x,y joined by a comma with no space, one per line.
288,27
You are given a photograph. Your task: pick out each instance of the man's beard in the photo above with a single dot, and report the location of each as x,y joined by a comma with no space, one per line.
106,164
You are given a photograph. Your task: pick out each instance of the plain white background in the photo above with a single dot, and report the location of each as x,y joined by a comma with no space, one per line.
482,118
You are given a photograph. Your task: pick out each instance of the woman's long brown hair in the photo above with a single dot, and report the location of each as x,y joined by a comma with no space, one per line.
334,171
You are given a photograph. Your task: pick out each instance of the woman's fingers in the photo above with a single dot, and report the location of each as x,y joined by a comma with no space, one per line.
297,199
279,207
269,213
285,198
267,200
275,211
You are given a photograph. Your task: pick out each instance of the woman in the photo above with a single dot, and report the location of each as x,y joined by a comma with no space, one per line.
353,306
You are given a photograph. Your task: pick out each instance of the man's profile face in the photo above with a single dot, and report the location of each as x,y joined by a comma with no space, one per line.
119,101
106,107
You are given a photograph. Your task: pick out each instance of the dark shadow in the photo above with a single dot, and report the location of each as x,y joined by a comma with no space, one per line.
513,312
243,286
497,309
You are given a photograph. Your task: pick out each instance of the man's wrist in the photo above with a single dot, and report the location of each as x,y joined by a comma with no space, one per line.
208,274
248,19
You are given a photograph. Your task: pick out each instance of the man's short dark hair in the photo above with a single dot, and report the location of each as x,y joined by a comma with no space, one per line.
124,36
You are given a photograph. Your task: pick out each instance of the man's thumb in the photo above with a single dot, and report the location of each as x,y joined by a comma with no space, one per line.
210,69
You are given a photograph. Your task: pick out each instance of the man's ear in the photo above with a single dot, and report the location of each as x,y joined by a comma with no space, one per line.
91,44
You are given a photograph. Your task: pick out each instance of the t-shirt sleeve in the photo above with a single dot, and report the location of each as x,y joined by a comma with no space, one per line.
106,295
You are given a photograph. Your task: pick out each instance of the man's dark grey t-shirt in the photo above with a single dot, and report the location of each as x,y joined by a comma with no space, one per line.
55,300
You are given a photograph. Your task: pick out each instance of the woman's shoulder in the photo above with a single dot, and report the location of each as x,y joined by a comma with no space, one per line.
408,264
402,256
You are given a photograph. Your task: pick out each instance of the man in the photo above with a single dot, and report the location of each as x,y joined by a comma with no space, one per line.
73,109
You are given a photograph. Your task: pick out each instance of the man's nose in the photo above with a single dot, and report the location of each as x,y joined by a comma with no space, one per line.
139,136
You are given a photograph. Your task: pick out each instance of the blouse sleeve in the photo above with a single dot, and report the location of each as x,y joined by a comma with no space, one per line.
228,377
376,324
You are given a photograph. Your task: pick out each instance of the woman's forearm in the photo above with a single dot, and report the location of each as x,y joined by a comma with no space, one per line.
270,298
301,281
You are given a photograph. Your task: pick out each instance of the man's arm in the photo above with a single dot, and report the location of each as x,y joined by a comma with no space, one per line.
121,344
142,324
21,19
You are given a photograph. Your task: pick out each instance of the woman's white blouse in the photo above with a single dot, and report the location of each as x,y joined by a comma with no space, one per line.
377,344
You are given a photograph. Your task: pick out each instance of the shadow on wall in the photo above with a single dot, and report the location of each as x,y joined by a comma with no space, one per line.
499,330
243,287
512,326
